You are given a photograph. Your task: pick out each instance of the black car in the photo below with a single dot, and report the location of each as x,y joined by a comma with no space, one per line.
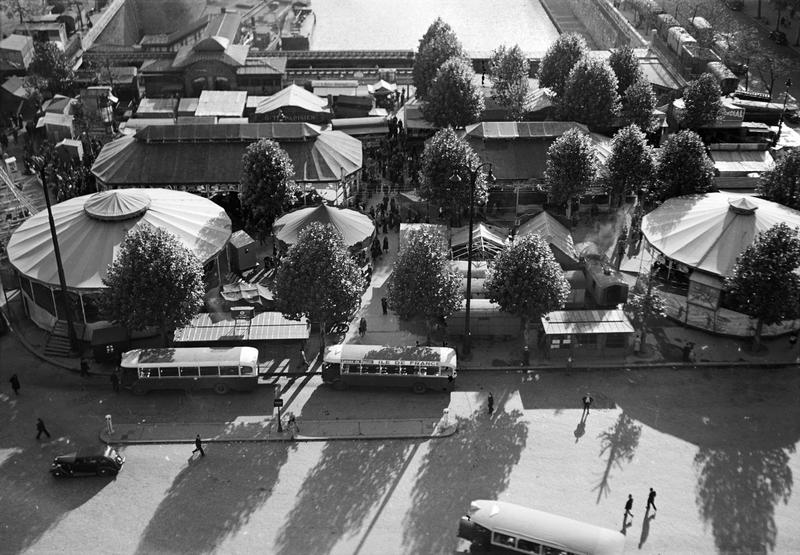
93,461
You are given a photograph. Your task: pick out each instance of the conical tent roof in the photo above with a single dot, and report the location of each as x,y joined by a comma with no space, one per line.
487,241
91,228
708,232
356,229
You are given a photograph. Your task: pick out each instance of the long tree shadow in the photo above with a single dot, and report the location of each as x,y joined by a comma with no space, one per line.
349,481
213,497
445,484
619,444
737,491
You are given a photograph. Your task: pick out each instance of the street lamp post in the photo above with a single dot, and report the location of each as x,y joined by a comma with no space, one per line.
473,178
40,164
788,84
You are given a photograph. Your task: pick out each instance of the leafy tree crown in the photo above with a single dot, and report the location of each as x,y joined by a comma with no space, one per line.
590,94
509,69
638,105
559,60
454,98
266,185
631,164
571,166
782,183
625,64
437,45
683,167
703,101
50,70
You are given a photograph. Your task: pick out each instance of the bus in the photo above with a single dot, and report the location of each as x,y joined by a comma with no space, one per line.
190,368
501,526
417,368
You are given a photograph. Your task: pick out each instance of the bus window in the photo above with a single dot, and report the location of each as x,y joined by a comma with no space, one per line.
188,371
209,371
169,372
503,539
370,368
528,546
554,551
391,369
246,370
431,371
229,370
148,372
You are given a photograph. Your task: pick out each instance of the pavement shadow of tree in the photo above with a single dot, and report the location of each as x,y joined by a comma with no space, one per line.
212,497
32,501
618,444
338,494
737,491
473,464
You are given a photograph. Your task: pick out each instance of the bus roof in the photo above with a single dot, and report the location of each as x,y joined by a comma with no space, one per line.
569,534
197,355
421,356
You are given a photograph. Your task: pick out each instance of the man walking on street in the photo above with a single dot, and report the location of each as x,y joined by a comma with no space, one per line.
198,446
651,500
491,403
14,381
587,403
629,506
41,429
115,382
362,327
384,306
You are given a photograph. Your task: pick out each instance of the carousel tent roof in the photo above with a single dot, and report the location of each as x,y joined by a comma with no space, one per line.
90,229
708,232
487,241
354,227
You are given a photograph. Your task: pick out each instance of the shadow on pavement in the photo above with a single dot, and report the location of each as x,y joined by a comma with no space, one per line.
473,464
208,500
618,444
339,493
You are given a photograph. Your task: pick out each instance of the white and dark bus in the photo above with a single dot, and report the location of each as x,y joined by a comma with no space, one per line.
190,368
505,527
417,368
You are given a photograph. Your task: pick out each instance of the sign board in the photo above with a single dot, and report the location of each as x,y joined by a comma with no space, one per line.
242,312
277,402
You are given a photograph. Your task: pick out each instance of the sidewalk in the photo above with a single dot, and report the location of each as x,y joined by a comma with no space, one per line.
257,428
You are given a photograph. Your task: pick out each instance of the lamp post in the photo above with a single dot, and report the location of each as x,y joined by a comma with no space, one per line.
473,177
788,84
41,166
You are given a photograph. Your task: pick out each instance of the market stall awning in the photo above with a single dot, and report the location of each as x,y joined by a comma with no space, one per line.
552,231
487,241
732,163
265,326
571,322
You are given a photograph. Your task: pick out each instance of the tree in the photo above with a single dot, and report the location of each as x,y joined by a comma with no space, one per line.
625,64
509,69
453,96
643,303
437,45
422,283
590,94
446,155
559,60
154,281
782,183
319,279
683,167
703,102
571,167
631,164
638,104
266,185
50,70
526,281
764,283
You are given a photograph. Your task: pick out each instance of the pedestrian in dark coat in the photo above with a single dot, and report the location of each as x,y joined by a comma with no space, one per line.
41,429
115,382
362,327
386,244
491,403
587,403
198,446
651,500
84,368
629,506
384,305
14,381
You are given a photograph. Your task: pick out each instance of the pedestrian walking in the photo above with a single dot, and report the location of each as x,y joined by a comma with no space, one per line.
362,327
41,429
115,382
198,446
303,360
651,500
386,244
14,381
629,506
84,368
526,356
384,306
491,403
587,403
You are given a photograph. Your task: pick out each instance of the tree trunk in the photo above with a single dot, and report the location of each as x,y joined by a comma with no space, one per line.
321,339
757,335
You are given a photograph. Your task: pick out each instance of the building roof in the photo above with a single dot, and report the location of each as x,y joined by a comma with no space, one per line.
156,108
411,115
489,130
355,228
15,86
91,228
212,154
188,106
263,66
221,103
265,326
741,162
15,42
569,322
293,96
487,241
382,87
234,55
361,126
222,29
552,231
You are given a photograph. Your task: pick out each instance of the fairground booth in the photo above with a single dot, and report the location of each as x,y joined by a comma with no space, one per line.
587,333
90,230
695,241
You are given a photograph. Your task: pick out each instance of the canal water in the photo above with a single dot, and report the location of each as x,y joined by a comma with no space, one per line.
481,25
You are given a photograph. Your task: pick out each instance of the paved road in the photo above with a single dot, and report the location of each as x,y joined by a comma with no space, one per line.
718,446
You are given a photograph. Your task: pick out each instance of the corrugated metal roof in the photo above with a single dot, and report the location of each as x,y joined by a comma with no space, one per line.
569,322
522,129
265,326
221,103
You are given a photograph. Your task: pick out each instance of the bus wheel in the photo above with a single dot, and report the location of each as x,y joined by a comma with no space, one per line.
339,385
220,389
138,389
419,388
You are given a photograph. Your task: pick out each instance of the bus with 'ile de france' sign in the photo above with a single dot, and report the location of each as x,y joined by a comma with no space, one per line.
417,368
